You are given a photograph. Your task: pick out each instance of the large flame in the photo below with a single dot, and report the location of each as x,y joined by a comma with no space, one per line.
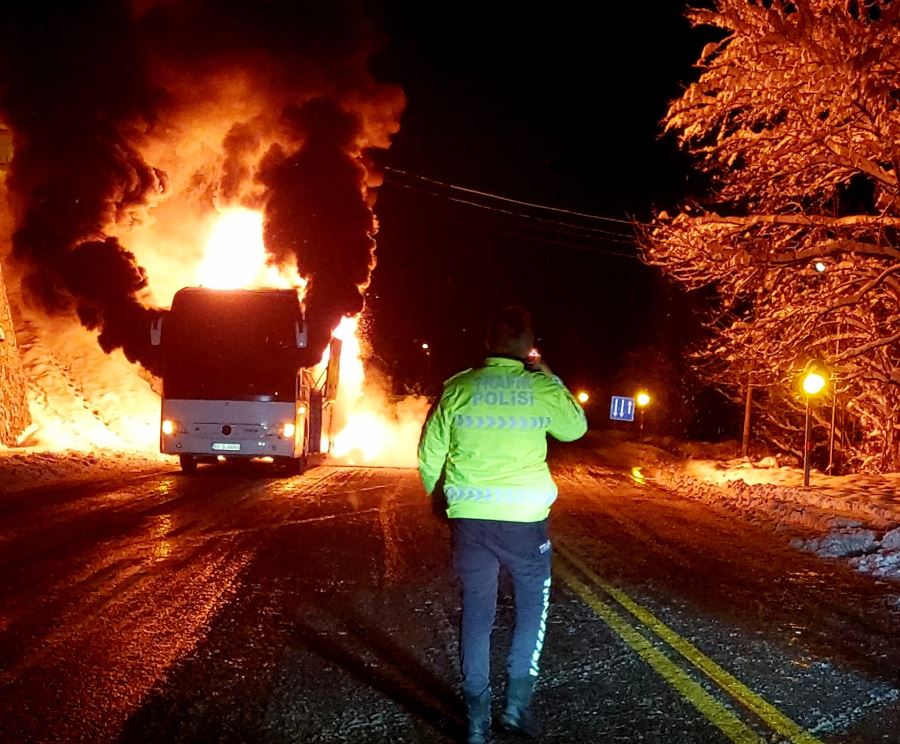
235,256
80,398
285,115
362,426
371,428
234,250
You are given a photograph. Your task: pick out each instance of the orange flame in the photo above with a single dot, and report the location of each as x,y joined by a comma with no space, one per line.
370,428
81,398
235,256
114,407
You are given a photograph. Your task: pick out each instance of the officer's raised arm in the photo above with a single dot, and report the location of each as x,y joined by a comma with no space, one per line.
568,421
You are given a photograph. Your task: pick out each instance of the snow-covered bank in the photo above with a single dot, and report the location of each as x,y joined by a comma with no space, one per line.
850,517
22,469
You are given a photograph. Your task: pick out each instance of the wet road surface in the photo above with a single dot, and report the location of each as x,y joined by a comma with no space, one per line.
235,606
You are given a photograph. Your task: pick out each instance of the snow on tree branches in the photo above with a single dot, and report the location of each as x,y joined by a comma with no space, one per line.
795,119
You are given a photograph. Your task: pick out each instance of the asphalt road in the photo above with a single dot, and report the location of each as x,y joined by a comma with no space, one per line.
234,606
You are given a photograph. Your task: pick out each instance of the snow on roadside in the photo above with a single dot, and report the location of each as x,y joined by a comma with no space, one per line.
95,416
81,398
851,517
30,468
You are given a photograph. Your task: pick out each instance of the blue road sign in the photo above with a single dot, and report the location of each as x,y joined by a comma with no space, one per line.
621,408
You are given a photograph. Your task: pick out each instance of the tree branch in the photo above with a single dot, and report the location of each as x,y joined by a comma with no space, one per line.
867,347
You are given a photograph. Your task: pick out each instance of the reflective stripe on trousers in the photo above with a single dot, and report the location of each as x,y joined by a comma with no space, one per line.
480,548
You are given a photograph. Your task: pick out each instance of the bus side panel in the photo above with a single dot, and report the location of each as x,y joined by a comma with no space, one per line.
315,422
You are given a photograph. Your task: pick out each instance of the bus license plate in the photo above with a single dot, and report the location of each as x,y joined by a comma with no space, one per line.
226,446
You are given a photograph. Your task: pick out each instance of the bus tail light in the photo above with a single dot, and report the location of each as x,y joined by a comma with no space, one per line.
287,430
168,427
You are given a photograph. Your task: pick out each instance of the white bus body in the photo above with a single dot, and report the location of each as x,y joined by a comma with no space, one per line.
232,385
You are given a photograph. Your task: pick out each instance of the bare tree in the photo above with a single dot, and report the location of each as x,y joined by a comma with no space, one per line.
795,120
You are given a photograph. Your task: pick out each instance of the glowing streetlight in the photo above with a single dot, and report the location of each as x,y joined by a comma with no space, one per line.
643,400
583,397
819,266
815,379
813,383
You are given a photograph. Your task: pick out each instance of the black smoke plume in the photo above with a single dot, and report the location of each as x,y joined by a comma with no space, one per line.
85,86
74,94
323,110
239,145
317,215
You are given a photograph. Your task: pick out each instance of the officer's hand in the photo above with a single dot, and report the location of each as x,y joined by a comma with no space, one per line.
439,504
439,499
534,362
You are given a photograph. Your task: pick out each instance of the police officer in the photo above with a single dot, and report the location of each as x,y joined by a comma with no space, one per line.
488,434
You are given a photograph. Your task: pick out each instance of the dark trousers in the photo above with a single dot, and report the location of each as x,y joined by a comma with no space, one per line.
480,547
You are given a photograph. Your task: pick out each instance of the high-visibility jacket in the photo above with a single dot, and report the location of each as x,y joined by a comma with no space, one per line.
488,432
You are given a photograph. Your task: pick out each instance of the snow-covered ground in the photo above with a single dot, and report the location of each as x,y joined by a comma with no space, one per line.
851,517
94,415
30,468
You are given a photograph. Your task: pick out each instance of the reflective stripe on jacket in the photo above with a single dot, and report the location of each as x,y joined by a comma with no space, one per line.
488,432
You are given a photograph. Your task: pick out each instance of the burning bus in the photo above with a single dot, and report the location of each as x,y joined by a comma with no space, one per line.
232,382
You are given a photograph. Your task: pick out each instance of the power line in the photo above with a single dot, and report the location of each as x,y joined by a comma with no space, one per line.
498,197
564,244
563,234
583,231
559,239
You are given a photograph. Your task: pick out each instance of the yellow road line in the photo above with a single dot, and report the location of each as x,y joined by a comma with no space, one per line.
773,717
720,716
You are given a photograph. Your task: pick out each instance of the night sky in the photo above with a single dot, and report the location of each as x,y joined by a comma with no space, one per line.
556,106
559,107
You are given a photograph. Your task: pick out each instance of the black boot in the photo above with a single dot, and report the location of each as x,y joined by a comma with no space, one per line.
517,717
478,710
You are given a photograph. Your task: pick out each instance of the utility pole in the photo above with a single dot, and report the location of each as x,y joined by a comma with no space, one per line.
834,396
807,445
831,436
748,405
815,380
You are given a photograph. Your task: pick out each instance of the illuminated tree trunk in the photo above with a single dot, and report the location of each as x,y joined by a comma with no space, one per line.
748,409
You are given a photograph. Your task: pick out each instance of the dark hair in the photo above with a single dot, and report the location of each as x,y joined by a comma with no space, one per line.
510,331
